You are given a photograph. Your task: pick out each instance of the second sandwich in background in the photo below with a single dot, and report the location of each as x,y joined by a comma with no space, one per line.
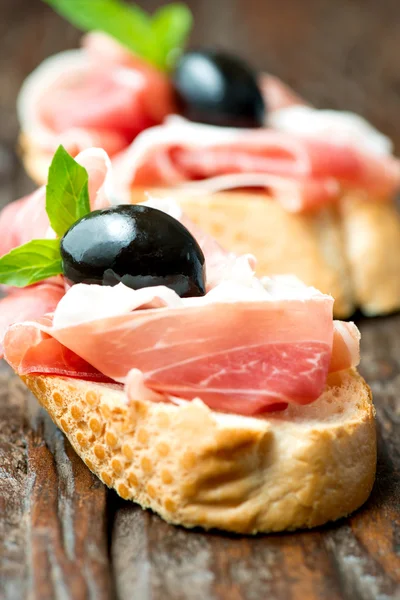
310,192
321,207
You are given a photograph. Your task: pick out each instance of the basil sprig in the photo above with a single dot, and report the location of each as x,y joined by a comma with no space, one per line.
67,193
30,263
159,39
67,200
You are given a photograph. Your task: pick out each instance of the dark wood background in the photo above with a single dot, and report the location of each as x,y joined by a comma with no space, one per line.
62,535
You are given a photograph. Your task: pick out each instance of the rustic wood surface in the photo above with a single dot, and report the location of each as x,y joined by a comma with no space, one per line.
62,534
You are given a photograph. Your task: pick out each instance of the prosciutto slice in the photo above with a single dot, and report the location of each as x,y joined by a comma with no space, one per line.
23,220
302,173
247,346
243,355
26,219
346,346
277,94
38,353
100,95
29,303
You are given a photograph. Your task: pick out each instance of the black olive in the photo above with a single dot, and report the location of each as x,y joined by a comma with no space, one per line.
219,89
136,245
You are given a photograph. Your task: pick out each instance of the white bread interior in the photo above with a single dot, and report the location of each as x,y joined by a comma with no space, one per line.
296,469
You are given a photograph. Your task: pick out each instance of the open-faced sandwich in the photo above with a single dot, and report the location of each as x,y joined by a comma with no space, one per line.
124,79
105,93
309,192
184,382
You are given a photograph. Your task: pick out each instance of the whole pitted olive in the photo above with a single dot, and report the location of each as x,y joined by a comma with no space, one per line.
219,89
136,245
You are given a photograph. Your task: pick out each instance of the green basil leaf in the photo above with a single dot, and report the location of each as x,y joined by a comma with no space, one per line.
158,40
171,26
128,24
67,195
30,263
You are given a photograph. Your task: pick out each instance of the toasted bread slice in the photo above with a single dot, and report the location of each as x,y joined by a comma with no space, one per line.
195,467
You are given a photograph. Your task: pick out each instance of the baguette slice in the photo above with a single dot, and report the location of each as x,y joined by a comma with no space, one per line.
195,467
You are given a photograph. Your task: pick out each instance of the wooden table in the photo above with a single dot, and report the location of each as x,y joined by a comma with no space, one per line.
62,534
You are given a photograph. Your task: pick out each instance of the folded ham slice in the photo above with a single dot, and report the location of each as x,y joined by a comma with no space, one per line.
102,96
28,303
22,221
301,172
346,346
33,351
277,94
26,219
99,95
239,349
247,346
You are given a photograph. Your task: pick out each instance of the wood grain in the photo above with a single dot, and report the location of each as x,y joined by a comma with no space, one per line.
53,510
61,534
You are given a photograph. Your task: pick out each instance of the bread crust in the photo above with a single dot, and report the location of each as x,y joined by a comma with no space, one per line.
195,467
371,233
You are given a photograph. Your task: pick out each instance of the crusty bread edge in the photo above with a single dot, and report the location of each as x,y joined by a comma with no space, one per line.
195,467
371,236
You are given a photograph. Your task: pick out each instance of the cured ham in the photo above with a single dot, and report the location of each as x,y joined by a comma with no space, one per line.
29,303
99,95
26,219
241,355
38,353
247,346
346,346
341,127
308,170
277,94
23,220
191,352
59,361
